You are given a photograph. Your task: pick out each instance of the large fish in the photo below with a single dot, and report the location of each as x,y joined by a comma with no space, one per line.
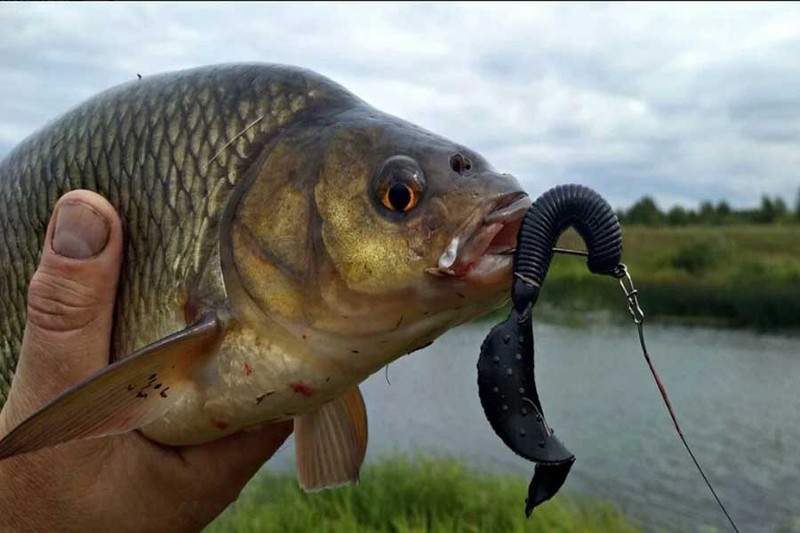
284,240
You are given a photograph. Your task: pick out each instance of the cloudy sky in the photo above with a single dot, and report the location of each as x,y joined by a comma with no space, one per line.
680,102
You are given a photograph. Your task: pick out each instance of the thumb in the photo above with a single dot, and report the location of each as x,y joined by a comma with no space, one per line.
70,301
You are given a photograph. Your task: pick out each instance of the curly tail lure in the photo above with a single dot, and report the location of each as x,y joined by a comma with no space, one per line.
506,378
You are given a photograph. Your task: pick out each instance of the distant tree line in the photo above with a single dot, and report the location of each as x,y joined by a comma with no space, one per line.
771,211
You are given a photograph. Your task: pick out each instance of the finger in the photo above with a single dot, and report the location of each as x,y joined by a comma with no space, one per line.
232,461
70,298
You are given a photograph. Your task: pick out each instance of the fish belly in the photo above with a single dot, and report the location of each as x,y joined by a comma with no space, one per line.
250,381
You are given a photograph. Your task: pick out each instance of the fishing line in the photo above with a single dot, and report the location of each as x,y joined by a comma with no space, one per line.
567,251
635,309
631,294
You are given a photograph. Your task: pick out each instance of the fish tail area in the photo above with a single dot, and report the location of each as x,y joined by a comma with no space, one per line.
331,442
120,397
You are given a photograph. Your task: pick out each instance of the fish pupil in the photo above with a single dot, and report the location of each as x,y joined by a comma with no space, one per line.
399,196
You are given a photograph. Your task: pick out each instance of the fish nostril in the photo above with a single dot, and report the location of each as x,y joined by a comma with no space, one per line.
461,164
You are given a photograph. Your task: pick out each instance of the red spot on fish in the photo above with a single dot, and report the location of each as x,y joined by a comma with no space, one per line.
222,426
305,337
301,388
247,369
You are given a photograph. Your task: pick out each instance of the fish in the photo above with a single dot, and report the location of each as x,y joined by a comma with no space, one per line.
284,240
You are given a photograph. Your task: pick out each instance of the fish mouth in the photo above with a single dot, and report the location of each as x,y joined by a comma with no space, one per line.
482,249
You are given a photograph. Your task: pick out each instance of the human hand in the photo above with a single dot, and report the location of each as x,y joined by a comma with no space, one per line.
119,483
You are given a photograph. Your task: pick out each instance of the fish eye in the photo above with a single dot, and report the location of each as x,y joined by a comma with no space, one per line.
399,197
400,184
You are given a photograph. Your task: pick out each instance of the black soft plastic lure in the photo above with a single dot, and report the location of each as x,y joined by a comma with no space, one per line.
506,370
506,378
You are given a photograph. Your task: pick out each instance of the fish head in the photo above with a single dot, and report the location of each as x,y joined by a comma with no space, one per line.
381,237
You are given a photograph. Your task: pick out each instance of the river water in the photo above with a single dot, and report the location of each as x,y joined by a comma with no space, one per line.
735,392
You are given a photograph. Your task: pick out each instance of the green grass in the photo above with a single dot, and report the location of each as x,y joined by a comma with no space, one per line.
725,275
412,495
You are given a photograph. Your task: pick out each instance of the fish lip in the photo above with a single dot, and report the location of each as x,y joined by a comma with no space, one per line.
474,238
514,209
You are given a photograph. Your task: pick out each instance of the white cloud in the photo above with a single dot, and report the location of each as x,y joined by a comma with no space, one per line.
678,101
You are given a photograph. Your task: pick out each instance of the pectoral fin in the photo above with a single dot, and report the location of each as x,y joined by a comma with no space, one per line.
120,397
331,442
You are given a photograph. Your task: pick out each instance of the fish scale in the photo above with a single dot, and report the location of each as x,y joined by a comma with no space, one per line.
166,151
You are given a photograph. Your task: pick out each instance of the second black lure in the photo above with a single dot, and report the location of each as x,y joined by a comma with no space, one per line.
506,376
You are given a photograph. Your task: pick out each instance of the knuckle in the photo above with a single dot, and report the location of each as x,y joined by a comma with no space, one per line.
61,304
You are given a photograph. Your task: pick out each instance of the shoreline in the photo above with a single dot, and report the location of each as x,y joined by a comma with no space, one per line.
722,277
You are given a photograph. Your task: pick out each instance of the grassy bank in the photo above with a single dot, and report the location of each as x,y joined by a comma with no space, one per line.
725,275
404,495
